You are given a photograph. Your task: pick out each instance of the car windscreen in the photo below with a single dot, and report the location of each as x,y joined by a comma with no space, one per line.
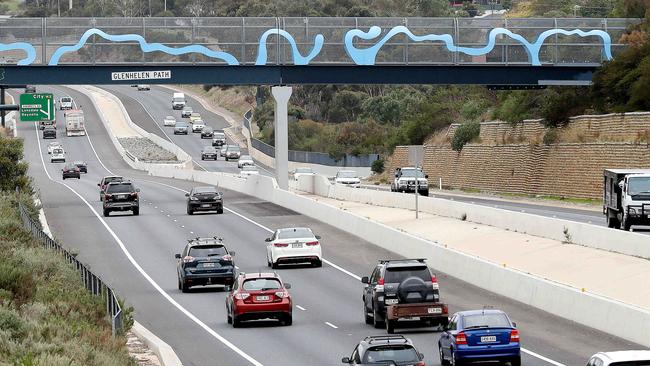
209,149
304,170
170,118
66,100
70,166
249,168
179,100
245,157
219,135
119,188
347,174
260,284
112,179
181,124
489,320
631,363
79,163
391,353
412,173
638,185
233,148
207,129
295,233
205,190
398,274
207,251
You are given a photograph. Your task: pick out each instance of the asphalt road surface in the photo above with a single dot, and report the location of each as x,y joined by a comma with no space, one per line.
135,255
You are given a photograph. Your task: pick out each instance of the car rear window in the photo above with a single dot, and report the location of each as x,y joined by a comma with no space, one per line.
57,151
66,100
219,135
249,168
233,148
205,190
209,149
486,321
207,251
259,284
112,179
631,363
120,188
398,274
391,353
295,233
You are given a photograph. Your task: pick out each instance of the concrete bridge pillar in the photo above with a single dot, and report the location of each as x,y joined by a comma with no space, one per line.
281,94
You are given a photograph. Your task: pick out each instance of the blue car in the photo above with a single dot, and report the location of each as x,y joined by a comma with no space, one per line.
479,335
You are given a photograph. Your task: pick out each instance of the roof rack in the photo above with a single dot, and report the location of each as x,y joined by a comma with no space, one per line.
388,338
402,260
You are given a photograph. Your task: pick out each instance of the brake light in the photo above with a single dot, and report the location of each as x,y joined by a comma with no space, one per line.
312,243
280,245
421,363
380,285
514,336
227,258
108,196
434,279
242,295
134,194
188,259
460,338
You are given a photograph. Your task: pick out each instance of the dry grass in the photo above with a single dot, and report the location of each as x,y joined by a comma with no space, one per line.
236,99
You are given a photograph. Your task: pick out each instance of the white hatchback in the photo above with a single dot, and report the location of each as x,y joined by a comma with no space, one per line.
169,121
197,125
293,245
57,155
620,358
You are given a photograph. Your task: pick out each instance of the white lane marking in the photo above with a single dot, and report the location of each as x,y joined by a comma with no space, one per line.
142,271
331,325
341,268
300,307
524,350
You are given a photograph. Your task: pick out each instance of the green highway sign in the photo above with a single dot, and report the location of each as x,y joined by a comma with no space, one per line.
36,107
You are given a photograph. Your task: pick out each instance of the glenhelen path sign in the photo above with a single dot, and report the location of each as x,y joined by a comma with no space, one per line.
36,107
141,75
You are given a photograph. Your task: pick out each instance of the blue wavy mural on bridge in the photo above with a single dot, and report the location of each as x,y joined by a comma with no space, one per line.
22,46
359,56
144,45
367,56
298,59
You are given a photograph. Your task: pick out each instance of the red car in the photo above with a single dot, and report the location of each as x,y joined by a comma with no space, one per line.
256,296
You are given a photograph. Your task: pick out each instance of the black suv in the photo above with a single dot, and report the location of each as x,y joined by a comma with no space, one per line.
121,196
399,281
204,199
205,261
385,350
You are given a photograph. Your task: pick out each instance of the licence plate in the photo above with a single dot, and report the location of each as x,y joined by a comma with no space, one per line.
413,318
208,264
488,339
434,310
262,298
296,245
391,301
206,205
122,196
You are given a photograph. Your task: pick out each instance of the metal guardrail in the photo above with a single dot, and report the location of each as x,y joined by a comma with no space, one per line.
92,282
310,157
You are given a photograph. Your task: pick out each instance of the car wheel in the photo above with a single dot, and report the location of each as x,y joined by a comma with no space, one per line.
288,320
367,317
106,212
443,362
274,265
236,323
318,263
516,361
425,193
220,211
376,321
78,177
390,326
202,158
626,225
229,317
189,211
136,211
268,262
184,287
63,178
454,360
179,284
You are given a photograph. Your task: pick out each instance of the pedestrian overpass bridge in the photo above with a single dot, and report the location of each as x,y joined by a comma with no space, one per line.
284,51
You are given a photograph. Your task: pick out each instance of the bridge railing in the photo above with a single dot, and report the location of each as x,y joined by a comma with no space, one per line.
92,282
313,41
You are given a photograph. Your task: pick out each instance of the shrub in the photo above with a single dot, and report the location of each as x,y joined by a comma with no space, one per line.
464,134
13,324
378,166
551,136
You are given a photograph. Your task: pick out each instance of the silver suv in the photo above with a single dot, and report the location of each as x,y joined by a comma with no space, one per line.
233,152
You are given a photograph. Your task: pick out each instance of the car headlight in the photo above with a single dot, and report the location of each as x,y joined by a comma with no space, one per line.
193,199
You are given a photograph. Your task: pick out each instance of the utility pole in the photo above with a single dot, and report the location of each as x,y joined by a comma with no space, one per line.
70,5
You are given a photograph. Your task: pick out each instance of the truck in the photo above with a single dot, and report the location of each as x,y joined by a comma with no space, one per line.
403,293
75,123
626,197
178,101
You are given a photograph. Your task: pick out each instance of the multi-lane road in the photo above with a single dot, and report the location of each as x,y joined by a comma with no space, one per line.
135,255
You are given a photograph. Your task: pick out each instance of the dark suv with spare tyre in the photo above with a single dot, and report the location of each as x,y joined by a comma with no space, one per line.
205,261
121,196
403,293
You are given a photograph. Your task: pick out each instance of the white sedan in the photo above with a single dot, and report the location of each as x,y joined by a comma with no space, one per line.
197,125
293,245
53,145
245,160
348,178
247,170
169,121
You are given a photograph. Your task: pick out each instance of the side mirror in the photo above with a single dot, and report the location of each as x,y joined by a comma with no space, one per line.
426,176
421,356
187,194
137,189
268,240
514,325
396,175
220,193
318,237
620,184
365,280
177,256
99,185
287,285
345,360
232,254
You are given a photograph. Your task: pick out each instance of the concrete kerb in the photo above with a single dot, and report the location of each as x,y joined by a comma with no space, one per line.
165,353
598,312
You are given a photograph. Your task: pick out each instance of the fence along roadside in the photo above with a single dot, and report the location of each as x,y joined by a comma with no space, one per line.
92,282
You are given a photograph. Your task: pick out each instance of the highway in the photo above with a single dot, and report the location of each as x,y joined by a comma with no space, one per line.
135,255
148,109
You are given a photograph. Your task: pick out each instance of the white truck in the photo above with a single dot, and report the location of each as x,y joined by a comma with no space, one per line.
410,179
74,123
178,101
626,197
